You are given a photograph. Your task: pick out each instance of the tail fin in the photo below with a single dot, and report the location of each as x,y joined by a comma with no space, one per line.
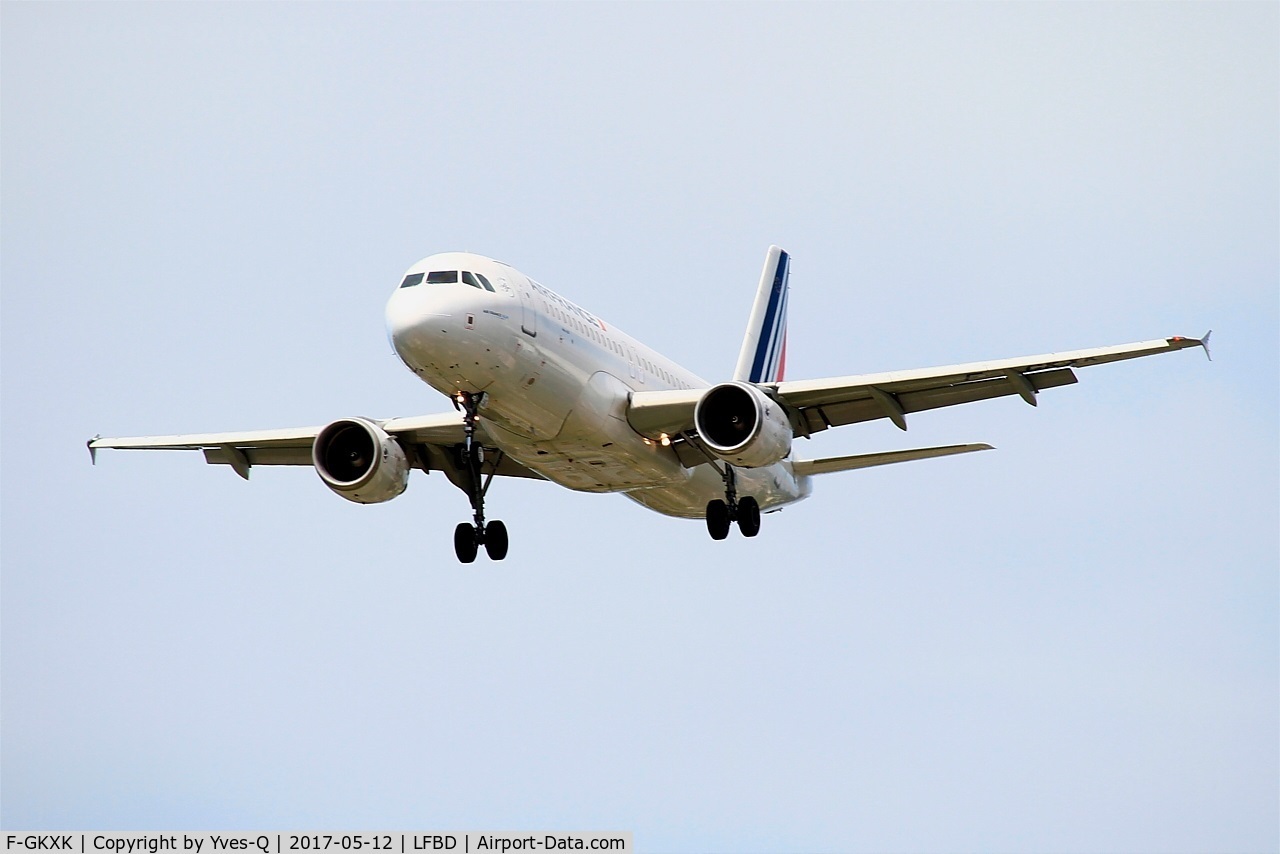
763,358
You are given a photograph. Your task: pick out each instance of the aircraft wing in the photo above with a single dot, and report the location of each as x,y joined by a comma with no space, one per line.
894,395
816,405
429,440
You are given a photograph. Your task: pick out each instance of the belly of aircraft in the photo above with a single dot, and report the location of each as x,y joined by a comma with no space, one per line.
613,460
646,472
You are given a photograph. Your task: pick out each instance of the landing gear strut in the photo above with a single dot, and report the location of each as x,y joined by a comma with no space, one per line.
721,514
467,538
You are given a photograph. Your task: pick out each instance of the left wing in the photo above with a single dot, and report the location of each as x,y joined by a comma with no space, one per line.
846,400
429,440
815,405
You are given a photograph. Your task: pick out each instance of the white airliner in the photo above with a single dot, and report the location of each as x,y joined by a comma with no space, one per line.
545,389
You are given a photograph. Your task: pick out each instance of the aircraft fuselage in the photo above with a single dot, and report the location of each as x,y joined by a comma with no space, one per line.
555,381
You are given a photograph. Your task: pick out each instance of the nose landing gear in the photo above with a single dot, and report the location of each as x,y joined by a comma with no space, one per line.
721,514
467,538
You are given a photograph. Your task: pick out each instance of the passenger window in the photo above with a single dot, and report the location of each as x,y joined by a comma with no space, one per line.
411,280
447,277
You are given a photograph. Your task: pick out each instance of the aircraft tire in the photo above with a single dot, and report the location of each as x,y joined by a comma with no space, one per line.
464,542
495,540
717,519
748,517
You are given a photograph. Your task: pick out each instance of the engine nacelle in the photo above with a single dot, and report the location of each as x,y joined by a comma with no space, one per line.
360,461
740,424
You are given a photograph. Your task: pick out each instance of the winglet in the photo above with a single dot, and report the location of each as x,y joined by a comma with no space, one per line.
1180,342
93,452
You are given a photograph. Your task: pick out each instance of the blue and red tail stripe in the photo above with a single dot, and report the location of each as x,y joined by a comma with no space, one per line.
770,359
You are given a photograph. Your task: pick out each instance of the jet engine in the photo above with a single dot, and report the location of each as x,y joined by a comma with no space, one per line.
360,461
742,425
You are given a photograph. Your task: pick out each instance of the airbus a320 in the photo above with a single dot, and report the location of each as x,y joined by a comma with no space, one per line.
544,389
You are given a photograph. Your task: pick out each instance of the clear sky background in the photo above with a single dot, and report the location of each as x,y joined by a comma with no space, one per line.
1066,644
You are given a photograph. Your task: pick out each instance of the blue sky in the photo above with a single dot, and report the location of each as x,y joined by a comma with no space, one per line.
1069,643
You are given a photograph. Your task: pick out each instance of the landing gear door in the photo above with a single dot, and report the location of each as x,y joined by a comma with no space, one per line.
528,312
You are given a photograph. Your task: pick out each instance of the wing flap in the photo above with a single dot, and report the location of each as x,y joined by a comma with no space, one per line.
864,407
224,455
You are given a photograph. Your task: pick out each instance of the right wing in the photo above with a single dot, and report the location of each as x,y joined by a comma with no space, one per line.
430,441
816,405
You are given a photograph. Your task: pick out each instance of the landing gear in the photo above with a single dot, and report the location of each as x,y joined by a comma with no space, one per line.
467,538
465,543
748,517
495,540
718,522
722,514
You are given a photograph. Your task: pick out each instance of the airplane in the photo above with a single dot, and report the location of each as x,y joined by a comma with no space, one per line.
544,389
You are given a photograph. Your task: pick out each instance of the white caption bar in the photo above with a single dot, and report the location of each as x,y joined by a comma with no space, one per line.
274,842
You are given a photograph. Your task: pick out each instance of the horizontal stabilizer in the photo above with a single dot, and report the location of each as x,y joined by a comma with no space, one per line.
862,461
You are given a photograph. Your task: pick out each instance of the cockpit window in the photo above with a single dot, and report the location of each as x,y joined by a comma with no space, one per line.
449,277
475,280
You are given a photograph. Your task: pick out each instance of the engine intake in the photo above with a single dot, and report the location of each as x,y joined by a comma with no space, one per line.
360,461
740,424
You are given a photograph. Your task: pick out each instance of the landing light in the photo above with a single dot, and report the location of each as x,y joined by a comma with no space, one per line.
665,439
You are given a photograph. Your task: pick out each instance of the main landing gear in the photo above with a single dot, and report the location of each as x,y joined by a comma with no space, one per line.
467,538
721,514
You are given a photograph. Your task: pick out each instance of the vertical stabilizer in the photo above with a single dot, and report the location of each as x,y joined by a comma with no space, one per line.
764,348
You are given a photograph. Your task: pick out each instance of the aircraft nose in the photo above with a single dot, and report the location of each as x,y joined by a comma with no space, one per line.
425,325
402,315
415,316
